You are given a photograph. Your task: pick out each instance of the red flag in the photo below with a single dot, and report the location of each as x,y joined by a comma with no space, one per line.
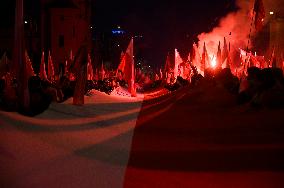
259,14
188,57
229,61
283,65
29,68
90,70
71,57
66,67
272,60
42,73
103,72
219,56
121,66
168,64
205,58
196,59
50,71
225,51
178,61
129,69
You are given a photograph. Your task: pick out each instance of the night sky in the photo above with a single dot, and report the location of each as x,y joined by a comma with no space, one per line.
164,24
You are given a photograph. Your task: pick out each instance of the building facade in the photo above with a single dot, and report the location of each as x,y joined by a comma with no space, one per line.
65,26
277,39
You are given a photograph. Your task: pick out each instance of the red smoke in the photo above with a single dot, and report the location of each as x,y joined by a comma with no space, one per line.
235,27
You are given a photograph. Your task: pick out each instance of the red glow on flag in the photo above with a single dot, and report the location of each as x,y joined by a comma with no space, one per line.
126,66
213,61
42,73
50,70
178,61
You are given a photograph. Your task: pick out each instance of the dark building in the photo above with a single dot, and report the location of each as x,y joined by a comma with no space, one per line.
65,26
276,38
58,26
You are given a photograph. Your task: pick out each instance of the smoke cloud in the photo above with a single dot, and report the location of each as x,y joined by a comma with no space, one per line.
236,26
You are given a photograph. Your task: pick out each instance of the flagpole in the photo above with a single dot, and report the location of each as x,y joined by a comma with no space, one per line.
19,64
250,31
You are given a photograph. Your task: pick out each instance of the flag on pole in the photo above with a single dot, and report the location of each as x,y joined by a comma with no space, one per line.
50,70
122,55
259,14
29,67
205,59
42,72
161,74
66,67
121,65
225,51
127,67
272,61
196,59
103,72
188,57
219,56
168,65
90,70
71,57
178,61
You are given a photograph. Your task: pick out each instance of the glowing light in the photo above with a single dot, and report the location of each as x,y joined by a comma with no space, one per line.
213,61
118,27
118,32
26,22
118,45
271,13
262,19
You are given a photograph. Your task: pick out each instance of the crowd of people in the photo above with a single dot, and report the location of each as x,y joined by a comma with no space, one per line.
259,87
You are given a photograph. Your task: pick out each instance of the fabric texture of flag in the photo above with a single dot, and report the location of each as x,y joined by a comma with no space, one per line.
196,59
225,51
205,58
126,66
168,64
50,70
178,61
129,69
219,56
42,73
90,70
29,68
121,66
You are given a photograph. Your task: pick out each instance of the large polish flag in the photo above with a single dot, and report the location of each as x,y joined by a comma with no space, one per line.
126,66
